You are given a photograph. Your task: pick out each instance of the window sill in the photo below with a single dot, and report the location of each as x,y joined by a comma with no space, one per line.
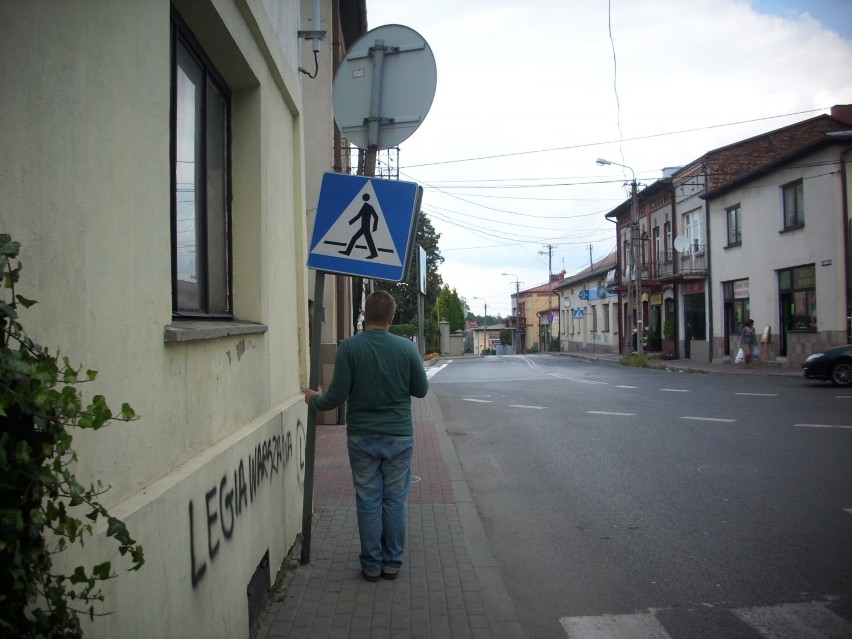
733,245
195,330
791,228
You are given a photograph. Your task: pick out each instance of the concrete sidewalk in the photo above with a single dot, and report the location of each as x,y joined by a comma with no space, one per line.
449,585
695,366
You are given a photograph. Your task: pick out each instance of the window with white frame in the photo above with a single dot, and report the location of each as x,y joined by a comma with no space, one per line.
794,205
692,228
735,225
200,210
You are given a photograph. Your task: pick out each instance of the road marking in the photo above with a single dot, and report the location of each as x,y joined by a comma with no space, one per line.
821,426
577,379
478,401
848,510
675,390
603,412
641,625
812,619
627,387
758,394
795,620
530,363
530,407
434,370
709,419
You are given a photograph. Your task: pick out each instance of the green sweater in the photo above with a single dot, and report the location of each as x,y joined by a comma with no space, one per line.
375,373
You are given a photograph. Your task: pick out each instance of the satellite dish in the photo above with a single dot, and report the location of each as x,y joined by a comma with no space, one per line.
681,243
401,63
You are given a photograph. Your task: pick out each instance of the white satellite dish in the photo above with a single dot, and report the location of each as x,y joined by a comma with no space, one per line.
681,243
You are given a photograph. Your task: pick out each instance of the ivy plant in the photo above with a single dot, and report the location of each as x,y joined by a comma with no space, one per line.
44,509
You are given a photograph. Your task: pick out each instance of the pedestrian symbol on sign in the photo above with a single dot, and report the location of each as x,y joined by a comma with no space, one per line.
370,226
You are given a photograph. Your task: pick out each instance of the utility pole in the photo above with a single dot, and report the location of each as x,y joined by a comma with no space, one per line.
549,289
636,267
634,285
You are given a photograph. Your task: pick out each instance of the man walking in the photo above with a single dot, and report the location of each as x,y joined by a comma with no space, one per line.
376,373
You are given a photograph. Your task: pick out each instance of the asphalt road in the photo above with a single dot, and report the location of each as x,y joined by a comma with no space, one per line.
614,498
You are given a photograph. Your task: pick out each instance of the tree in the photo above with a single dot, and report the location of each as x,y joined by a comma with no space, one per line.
455,312
405,293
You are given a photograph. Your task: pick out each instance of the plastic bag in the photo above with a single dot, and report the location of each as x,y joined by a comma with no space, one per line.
740,357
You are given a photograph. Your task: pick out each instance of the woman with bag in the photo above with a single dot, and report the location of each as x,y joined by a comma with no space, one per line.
747,342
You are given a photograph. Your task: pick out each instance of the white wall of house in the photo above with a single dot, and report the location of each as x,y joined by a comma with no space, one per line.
766,248
598,328
210,478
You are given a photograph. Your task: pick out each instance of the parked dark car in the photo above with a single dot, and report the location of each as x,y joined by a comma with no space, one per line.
833,364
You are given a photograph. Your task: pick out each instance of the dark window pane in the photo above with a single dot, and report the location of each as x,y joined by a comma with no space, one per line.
189,87
217,218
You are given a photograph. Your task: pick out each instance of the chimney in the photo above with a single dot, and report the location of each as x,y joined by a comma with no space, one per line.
842,112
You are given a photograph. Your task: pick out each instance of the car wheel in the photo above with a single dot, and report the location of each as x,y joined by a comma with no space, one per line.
841,373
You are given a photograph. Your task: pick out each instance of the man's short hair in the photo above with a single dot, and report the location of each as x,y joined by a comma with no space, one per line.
379,308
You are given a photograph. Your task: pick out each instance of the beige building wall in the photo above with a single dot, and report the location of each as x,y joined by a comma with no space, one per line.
765,249
210,478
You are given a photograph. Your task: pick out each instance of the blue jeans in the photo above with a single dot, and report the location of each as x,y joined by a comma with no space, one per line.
381,473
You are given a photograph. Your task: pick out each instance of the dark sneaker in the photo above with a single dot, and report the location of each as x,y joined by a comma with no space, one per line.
390,573
371,574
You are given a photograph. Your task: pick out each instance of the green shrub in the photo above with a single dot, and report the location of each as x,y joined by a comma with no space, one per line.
39,495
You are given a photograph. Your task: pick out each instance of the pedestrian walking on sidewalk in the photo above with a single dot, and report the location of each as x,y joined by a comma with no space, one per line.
376,373
748,342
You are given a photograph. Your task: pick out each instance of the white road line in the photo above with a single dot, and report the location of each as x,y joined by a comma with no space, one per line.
758,394
675,390
820,426
848,510
795,620
643,625
530,363
434,370
843,396
478,401
604,412
813,619
627,387
530,407
709,419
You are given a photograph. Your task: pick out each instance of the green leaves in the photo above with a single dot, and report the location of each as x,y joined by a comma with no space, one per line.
40,498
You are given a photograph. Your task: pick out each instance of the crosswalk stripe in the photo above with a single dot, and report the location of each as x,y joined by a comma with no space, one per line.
803,621
811,620
641,625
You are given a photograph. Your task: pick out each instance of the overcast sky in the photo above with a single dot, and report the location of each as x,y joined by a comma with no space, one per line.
531,92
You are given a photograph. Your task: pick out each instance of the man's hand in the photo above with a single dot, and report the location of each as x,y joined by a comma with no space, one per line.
311,393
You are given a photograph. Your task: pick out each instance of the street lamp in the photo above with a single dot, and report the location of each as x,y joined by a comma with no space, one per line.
633,296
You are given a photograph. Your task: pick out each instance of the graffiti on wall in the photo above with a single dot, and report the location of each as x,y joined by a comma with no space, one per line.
214,518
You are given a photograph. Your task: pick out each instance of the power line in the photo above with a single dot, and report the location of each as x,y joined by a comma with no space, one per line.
634,139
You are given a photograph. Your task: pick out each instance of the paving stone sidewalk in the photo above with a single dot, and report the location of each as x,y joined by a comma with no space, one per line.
449,585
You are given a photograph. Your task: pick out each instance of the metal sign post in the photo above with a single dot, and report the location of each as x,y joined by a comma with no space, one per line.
376,106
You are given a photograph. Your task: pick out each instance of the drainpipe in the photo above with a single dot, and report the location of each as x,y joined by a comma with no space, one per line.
709,287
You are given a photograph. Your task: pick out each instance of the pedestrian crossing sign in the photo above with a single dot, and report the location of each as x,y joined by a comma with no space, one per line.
365,226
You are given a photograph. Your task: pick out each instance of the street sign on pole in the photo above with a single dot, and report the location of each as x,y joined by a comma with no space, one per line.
384,87
365,226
